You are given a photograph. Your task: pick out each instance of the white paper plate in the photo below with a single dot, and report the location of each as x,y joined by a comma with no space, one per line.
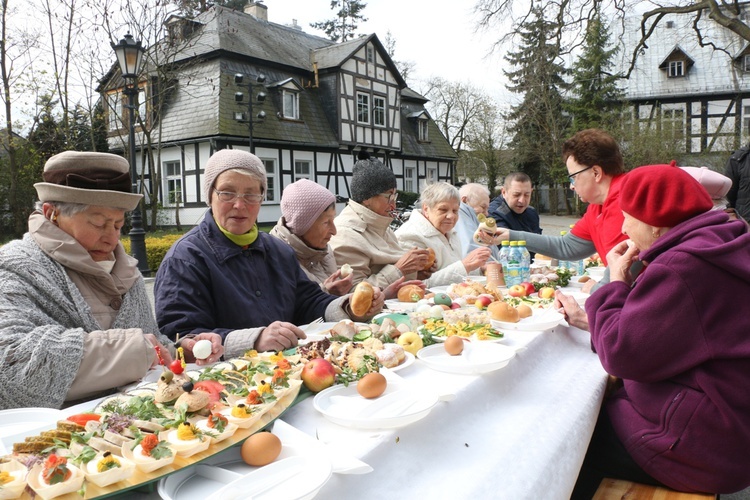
397,305
295,474
475,359
542,319
408,361
439,289
18,423
401,404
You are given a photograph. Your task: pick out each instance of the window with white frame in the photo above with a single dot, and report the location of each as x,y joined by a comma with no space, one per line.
301,169
291,104
363,108
142,105
114,113
378,111
676,69
746,62
432,176
673,123
422,130
409,176
271,178
172,175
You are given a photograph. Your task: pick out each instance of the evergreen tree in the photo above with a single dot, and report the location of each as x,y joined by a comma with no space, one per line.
342,27
597,100
539,126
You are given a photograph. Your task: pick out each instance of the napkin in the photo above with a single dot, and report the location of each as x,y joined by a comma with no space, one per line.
341,462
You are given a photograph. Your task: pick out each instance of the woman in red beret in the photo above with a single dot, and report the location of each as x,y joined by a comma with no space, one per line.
677,338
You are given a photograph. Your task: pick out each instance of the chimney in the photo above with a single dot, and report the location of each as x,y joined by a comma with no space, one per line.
257,10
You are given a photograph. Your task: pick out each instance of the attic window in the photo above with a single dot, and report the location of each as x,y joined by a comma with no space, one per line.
291,104
676,69
370,54
670,24
422,130
746,62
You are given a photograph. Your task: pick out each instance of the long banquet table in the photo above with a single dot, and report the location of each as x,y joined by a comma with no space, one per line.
520,432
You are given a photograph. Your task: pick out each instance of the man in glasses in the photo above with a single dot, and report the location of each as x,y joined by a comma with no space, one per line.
595,169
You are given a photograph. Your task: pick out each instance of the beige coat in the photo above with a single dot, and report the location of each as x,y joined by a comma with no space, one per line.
318,265
365,241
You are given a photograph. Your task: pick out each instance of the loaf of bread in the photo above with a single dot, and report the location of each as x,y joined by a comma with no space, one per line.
361,300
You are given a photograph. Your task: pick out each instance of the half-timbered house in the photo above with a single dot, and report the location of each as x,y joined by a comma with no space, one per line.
305,105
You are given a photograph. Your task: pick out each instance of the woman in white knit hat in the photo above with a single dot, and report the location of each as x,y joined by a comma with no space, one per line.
242,285
75,319
306,224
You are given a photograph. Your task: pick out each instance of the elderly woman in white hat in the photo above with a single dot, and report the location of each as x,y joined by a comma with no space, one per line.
75,319
242,286
307,224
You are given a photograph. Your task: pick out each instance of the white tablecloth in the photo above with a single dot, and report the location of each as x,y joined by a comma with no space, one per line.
519,432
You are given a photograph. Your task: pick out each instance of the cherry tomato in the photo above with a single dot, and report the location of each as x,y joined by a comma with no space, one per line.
82,418
176,367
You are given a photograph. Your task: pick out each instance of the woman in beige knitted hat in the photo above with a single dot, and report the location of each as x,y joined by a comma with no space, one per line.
75,320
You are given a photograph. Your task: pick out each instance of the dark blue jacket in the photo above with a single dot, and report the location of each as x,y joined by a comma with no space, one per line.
505,217
207,283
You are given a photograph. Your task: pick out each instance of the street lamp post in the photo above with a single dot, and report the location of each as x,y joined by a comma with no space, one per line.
129,57
250,119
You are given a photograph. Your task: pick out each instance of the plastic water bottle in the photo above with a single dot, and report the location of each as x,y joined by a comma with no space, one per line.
515,258
525,262
563,264
503,255
579,266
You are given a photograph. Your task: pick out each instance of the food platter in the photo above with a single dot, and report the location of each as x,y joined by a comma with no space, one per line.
18,423
298,473
542,319
401,404
474,360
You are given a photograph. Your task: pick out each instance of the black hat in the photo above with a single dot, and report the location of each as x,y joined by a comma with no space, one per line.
370,178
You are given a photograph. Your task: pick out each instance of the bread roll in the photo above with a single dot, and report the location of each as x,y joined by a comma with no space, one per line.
502,311
410,293
430,259
361,300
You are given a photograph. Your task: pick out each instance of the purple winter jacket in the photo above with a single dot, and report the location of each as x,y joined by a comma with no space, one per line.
680,340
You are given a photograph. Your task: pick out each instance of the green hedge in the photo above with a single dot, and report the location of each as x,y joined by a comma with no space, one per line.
156,248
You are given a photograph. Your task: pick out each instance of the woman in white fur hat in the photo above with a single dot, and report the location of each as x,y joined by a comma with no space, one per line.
75,320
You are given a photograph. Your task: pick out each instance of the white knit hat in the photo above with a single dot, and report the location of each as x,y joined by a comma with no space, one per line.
302,203
230,159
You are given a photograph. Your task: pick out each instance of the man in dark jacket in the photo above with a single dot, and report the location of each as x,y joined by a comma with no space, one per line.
511,209
738,169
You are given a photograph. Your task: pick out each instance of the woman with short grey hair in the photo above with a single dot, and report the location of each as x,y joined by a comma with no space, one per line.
434,227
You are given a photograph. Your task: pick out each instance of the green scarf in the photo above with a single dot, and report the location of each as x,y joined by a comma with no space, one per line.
242,240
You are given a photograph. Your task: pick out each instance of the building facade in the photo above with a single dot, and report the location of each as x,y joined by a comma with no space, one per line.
303,104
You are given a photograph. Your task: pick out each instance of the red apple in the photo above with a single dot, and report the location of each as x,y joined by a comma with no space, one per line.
529,288
483,300
318,374
517,291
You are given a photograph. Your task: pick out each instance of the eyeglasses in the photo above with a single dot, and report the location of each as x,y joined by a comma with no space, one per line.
230,197
573,175
391,197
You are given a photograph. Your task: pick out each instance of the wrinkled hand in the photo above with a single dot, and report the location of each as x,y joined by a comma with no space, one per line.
378,299
336,285
589,285
574,315
476,258
502,234
491,239
413,261
161,354
217,349
619,259
423,275
391,291
278,336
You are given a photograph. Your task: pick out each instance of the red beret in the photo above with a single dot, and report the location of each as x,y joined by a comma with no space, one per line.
663,195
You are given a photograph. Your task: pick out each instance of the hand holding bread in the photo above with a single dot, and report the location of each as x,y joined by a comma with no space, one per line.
361,299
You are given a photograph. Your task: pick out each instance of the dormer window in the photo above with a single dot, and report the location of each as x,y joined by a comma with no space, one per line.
291,104
422,130
676,69
677,63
